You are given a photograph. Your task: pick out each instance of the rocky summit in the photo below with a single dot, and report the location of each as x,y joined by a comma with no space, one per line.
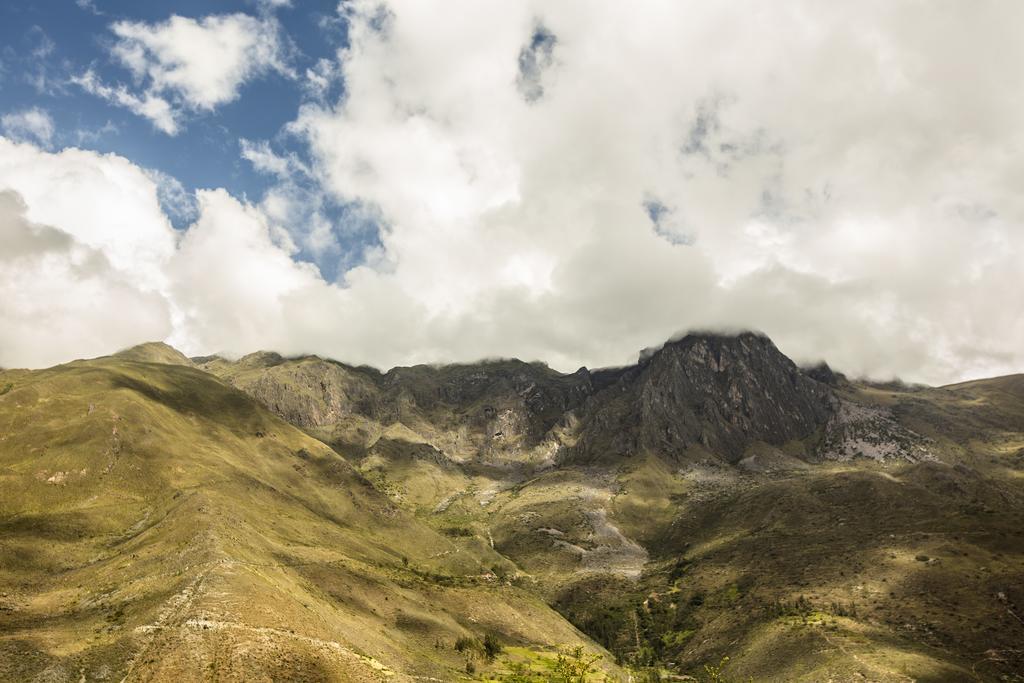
713,512
721,393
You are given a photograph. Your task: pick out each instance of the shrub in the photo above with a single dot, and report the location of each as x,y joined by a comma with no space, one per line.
713,673
841,610
801,607
492,648
575,666
464,643
650,676
681,565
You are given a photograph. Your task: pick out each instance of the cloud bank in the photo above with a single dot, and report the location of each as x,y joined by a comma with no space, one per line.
572,184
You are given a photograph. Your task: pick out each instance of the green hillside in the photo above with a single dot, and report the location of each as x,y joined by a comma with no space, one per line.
160,525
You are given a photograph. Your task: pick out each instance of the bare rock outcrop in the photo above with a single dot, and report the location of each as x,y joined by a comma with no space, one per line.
858,430
719,392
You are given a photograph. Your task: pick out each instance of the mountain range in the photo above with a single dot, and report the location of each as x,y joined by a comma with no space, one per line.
712,512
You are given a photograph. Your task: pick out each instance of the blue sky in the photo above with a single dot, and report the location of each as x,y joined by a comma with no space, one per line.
46,44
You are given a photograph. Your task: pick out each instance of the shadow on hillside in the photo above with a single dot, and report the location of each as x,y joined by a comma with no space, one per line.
193,393
55,526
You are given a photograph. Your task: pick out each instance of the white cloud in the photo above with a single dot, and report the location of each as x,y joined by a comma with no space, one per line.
233,281
266,160
190,65
203,61
158,110
103,201
32,124
92,263
841,177
86,135
54,289
320,78
270,5
88,6
85,247
294,205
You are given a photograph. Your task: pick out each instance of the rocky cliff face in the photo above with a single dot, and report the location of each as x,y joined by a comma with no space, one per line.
506,402
719,392
712,394
309,392
490,410
862,431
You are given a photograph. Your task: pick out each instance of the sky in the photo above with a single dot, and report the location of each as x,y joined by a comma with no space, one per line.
400,182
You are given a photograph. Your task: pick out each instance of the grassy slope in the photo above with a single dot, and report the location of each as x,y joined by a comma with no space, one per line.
159,525
803,572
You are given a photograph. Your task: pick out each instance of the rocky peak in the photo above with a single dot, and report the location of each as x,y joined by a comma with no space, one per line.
260,359
824,374
721,392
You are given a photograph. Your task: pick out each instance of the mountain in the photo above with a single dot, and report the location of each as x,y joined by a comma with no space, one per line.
721,393
299,518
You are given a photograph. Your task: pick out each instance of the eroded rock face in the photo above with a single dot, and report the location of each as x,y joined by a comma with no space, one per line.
824,374
308,392
504,402
491,410
861,431
720,392
316,394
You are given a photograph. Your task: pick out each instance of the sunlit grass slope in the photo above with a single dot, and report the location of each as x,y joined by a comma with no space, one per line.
156,525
